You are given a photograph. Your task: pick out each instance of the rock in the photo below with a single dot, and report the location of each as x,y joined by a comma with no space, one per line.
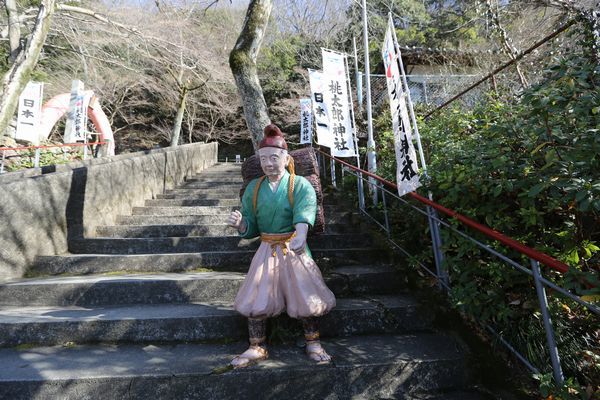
7,141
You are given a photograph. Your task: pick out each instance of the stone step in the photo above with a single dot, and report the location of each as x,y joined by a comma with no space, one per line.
472,394
230,191
216,175
47,326
368,279
172,288
212,185
224,202
201,244
210,174
81,264
170,200
198,196
201,210
366,367
215,179
223,166
182,211
126,289
346,217
141,231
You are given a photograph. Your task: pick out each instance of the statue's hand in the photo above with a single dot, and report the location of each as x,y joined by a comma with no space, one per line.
235,220
298,242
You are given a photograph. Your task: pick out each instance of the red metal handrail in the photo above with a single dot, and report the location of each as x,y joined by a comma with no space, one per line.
48,146
512,243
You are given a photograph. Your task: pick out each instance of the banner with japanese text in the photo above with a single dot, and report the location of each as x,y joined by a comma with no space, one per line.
407,177
30,113
336,98
75,127
317,90
305,121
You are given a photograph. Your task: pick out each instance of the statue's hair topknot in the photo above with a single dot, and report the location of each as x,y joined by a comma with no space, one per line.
272,130
273,138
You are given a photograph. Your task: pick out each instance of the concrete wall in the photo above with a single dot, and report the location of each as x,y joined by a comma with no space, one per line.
39,214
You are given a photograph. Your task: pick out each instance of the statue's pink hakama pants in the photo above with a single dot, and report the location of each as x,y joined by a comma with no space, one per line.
291,282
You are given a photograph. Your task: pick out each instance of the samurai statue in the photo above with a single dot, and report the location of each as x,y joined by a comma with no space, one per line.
280,207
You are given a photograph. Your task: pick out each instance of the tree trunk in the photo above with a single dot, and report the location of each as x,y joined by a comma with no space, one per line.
17,76
242,61
179,118
14,29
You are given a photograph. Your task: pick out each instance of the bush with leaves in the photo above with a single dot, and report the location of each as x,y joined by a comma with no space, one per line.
530,168
277,67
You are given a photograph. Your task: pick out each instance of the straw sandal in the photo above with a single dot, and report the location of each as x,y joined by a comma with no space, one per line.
317,353
246,359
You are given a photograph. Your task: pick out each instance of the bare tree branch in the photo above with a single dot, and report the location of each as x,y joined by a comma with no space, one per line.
92,13
16,78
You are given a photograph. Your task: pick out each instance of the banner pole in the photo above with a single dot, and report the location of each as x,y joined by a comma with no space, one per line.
371,154
85,149
358,76
361,192
432,216
332,165
407,91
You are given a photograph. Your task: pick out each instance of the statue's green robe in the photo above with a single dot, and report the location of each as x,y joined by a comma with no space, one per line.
278,281
274,213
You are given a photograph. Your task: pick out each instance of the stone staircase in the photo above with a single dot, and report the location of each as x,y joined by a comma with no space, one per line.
144,311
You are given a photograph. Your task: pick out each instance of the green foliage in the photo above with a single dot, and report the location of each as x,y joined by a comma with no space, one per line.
532,165
570,390
25,4
421,23
276,66
3,60
529,168
26,159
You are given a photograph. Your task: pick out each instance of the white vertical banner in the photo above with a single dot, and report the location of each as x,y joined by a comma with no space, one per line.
81,116
320,111
305,121
407,177
29,113
336,98
77,115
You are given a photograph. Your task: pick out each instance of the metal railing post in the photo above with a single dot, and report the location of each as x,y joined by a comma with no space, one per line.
36,160
333,182
436,242
385,212
438,247
2,163
318,162
361,192
543,300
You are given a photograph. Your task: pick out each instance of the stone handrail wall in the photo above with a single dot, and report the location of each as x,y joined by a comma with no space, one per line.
41,213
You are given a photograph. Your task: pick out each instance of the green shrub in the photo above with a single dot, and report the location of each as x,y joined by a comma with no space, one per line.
276,65
528,167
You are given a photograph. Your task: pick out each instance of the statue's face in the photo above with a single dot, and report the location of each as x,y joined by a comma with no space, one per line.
273,161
